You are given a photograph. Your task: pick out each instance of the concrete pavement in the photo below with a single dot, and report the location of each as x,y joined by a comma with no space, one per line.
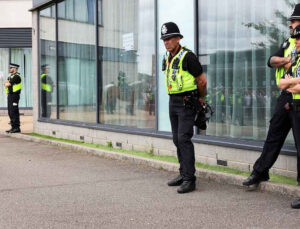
25,120
44,186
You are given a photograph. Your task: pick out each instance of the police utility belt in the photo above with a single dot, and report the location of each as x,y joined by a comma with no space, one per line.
295,105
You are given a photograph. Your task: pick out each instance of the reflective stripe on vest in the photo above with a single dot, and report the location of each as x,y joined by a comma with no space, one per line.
15,87
177,80
296,73
45,87
287,52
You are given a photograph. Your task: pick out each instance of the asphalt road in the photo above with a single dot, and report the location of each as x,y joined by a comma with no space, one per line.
44,186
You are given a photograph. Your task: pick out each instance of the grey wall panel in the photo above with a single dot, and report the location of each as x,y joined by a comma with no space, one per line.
40,2
15,37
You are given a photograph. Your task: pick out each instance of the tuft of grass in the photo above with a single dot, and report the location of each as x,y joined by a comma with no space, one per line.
109,144
273,177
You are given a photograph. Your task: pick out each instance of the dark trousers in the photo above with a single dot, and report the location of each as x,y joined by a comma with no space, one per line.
46,108
13,109
295,120
279,128
182,122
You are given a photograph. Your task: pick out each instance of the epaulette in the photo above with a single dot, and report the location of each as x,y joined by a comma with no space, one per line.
286,44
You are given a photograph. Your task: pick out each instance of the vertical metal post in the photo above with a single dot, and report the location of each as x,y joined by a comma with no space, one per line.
39,63
56,59
156,62
196,41
196,27
97,64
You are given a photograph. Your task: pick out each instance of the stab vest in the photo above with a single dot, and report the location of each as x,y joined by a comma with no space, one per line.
15,87
287,52
45,86
296,73
178,80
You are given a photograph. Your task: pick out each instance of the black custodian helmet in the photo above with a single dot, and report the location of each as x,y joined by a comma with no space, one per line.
296,14
169,29
296,32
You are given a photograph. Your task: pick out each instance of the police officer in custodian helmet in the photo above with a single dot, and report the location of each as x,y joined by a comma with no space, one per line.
185,83
13,86
280,123
291,83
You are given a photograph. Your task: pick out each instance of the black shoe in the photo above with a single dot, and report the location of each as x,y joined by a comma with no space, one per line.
176,181
8,131
254,179
15,130
187,186
296,204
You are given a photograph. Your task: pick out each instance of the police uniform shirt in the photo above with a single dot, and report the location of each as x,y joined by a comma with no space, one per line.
279,53
190,63
16,79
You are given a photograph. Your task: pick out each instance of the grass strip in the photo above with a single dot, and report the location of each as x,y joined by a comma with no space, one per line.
273,177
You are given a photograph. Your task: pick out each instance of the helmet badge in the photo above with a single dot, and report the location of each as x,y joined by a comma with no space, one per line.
164,29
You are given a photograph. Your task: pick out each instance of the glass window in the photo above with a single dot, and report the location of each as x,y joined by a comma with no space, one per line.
127,60
236,39
99,12
47,65
185,23
76,68
22,57
4,63
61,9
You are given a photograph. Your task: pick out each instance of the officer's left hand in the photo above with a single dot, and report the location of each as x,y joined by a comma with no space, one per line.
201,101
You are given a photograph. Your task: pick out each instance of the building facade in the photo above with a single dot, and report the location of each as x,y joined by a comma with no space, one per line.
104,58
15,46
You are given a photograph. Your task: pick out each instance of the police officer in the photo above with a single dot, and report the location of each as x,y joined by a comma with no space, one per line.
291,83
47,89
185,83
13,86
280,122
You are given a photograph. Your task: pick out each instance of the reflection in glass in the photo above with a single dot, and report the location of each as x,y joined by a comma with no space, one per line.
127,63
4,63
76,64
236,39
47,64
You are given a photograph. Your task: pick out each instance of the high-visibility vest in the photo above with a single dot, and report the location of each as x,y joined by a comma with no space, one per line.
45,86
15,87
287,52
178,80
296,73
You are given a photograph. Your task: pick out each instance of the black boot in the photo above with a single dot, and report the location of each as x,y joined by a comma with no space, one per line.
176,181
15,130
8,131
255,179
296,204
187,186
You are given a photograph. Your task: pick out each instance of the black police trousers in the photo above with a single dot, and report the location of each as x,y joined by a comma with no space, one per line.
182,122
46,108
13,109
295,118
280,125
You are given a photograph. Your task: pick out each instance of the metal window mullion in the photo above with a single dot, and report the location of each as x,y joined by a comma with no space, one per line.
39,64
56,60
97,64
156,62
196,28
